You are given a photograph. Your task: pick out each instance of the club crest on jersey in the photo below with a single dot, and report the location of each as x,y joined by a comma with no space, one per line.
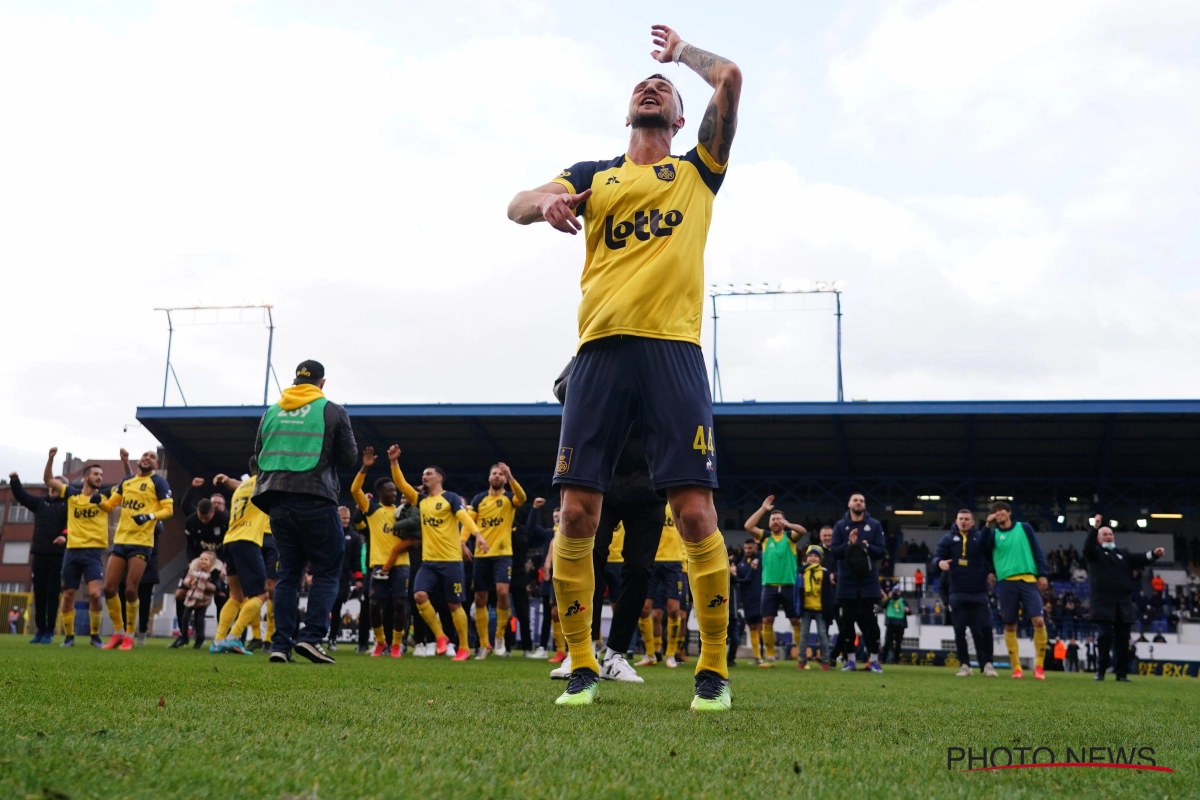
665,173
437,506
499,503
564,460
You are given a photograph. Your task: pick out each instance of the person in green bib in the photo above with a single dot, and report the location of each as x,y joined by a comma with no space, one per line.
302,441
1020,573
780,565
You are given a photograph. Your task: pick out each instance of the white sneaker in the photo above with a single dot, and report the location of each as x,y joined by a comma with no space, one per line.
671,662
964,671
647,660
539,653
616,668
562,671
451,650
500,650
481,653
989,671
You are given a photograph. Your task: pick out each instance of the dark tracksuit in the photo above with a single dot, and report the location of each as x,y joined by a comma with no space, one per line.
858,594
1110,578
351,571
539,538
518,587
632,500
968,600
49,522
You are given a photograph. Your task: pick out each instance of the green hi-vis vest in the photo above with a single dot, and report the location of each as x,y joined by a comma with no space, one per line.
1013,555
292,440
779,565
895,609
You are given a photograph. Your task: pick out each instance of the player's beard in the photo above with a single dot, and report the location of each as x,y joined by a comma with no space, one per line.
652,120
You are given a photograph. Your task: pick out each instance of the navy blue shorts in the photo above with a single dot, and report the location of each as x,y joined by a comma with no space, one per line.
131,551
1018,593
394,588
270,555
685,600
775,598
752,608
666,582
82,563
244,559
617,379
447,577
491,570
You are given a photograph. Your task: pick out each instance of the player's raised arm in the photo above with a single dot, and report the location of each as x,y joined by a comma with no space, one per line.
406,489
719,123
356,486
551,202
751,525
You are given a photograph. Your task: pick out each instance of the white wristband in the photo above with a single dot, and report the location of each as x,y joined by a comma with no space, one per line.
678,51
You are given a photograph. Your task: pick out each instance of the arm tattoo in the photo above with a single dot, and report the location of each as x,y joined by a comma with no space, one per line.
715,124
708,125
701,61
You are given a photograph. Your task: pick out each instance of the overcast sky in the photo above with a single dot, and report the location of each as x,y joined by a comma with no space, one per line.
1007,188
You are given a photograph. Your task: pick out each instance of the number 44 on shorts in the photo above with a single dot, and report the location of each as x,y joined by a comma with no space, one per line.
698,442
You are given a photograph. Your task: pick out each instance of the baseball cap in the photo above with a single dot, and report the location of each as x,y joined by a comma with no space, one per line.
309,372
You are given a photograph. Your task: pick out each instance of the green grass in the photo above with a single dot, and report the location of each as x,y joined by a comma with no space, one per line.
85,723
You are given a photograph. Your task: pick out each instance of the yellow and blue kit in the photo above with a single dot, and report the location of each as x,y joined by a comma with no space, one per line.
140,496
87,535
494,514
666,579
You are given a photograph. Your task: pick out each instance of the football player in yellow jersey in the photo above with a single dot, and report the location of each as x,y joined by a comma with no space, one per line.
442,551
645,221
244,566
494,511
666,588
145,497
87,537
388,585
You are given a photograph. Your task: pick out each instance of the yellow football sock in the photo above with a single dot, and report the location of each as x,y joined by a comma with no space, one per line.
502,617
248,616
379,634
756,642
131,616
658,644
1039,646
94,618
708,571
1010,642
430,616
114,613
560,644
459,615
575,586
481,625
397,636
672,636
646,626
68,622
229,615
796,639
768,635
270,621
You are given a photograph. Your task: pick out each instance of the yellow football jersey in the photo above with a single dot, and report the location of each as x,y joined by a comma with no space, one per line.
141,495
247,522
441,539
381,521
670,544
618,545
494,515
87,522
645,228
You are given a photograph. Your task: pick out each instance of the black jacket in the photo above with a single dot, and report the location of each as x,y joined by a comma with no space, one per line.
970,582
870,535
338,450
203,536
351,555
49,519
1110,577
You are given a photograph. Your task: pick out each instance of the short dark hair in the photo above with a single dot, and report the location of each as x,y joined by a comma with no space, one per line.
826,528
379,484
438,470
1001,505
775,511
205,506
965,511
750,540
89,467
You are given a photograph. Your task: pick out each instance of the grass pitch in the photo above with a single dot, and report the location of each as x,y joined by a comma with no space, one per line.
84,723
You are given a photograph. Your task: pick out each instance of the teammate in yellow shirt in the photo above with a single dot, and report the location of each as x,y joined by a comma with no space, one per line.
244,566
388,585
494,511
646,215
145,498
443,548
87,538
666,589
